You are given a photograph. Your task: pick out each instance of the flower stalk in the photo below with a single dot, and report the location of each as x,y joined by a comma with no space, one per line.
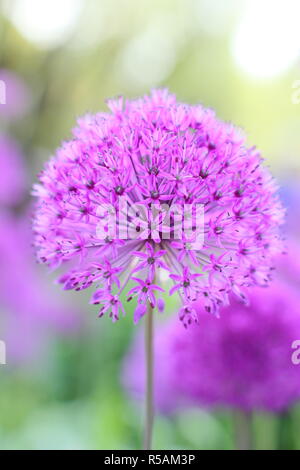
149,409
243,430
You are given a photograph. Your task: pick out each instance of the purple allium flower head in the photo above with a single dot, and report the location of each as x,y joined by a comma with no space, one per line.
157,152
30,309
13,176
241,360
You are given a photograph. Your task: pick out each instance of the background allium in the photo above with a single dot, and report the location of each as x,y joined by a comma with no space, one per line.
156,150
31,309
12,172
241,360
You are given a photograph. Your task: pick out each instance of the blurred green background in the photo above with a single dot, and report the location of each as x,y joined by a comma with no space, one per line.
241,58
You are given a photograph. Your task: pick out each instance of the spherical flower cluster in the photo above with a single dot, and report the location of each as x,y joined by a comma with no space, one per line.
157,152
244,359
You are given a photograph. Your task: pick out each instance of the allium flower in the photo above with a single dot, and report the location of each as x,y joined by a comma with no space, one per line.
12,172
241,360
30,309
155,152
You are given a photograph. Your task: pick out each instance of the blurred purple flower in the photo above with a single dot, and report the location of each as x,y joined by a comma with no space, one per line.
13,177
32,309
158,151
241,360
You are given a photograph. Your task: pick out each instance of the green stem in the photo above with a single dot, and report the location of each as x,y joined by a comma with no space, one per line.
149,417
285,434
243,430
